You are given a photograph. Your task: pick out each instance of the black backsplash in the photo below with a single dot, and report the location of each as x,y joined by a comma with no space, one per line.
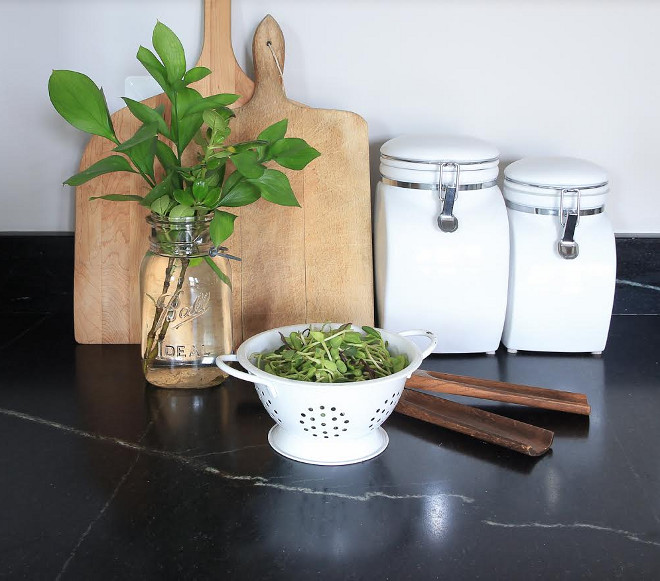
37,274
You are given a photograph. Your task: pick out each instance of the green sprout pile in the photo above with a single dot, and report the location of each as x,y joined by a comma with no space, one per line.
331,356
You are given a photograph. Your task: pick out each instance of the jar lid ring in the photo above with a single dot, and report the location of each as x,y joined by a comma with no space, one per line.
439,163
555,187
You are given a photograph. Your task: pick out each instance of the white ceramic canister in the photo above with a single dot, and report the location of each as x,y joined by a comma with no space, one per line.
563,257
441,241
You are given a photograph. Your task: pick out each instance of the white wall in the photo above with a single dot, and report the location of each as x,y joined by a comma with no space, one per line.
579,77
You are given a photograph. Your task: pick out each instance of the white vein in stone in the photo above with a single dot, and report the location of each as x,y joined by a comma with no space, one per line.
637,284
196,465
578,525
104,508
362,497
227,451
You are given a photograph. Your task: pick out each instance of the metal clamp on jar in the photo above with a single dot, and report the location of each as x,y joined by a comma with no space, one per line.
441,241
563,259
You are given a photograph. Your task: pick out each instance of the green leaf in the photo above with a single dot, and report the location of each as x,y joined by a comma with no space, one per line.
81,103
189,125
195,261
212,198
232,180
218,129
154,67
275,187
221,275
370,331
199,190
106,165
222,226
184,197
144,133
166,156
118,198
147,115
275,132
161,189
292,152
170,51
143,154
247,163
196,74
211,103
182,211
242,194
161,205
215,172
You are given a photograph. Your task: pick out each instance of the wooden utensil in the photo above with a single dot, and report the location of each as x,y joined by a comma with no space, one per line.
111,237
551,399
314,263
486,426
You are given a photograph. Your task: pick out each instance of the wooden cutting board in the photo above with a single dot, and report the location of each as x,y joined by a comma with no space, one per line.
313,263
111,237
309,264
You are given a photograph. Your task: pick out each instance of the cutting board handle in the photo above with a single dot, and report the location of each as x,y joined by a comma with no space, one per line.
268,52
217,37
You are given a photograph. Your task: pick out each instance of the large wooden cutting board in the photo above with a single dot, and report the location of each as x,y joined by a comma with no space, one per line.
112,237
314,263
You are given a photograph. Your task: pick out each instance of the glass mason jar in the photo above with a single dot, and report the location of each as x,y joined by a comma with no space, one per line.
186,307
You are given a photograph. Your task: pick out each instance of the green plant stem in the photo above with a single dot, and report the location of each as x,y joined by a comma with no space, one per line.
151,355
151,336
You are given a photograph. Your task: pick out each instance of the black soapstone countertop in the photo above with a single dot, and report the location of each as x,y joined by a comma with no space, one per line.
104,477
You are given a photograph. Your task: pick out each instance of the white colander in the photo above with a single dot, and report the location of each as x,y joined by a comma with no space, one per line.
327,423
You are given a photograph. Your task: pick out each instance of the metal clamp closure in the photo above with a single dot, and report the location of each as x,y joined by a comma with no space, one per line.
567,247
447,222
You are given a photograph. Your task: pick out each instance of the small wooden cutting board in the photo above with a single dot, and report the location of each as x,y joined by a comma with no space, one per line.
314,263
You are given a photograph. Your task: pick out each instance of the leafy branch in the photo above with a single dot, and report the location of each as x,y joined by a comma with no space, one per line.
183,191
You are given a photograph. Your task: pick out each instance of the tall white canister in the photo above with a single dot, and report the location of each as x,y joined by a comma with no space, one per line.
563,257
441,241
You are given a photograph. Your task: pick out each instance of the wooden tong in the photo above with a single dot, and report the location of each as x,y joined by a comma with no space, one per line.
493,428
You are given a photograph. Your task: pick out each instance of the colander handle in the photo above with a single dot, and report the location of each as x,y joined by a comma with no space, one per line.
220,362
422,333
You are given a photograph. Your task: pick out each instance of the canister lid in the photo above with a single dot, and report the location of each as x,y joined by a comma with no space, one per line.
437,149
556,173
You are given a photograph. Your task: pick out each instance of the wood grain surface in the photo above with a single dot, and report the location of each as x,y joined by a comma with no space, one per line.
308,264
486,426
313,263
538,397
112,237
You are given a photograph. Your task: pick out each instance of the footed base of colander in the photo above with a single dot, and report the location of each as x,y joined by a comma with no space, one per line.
348,451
